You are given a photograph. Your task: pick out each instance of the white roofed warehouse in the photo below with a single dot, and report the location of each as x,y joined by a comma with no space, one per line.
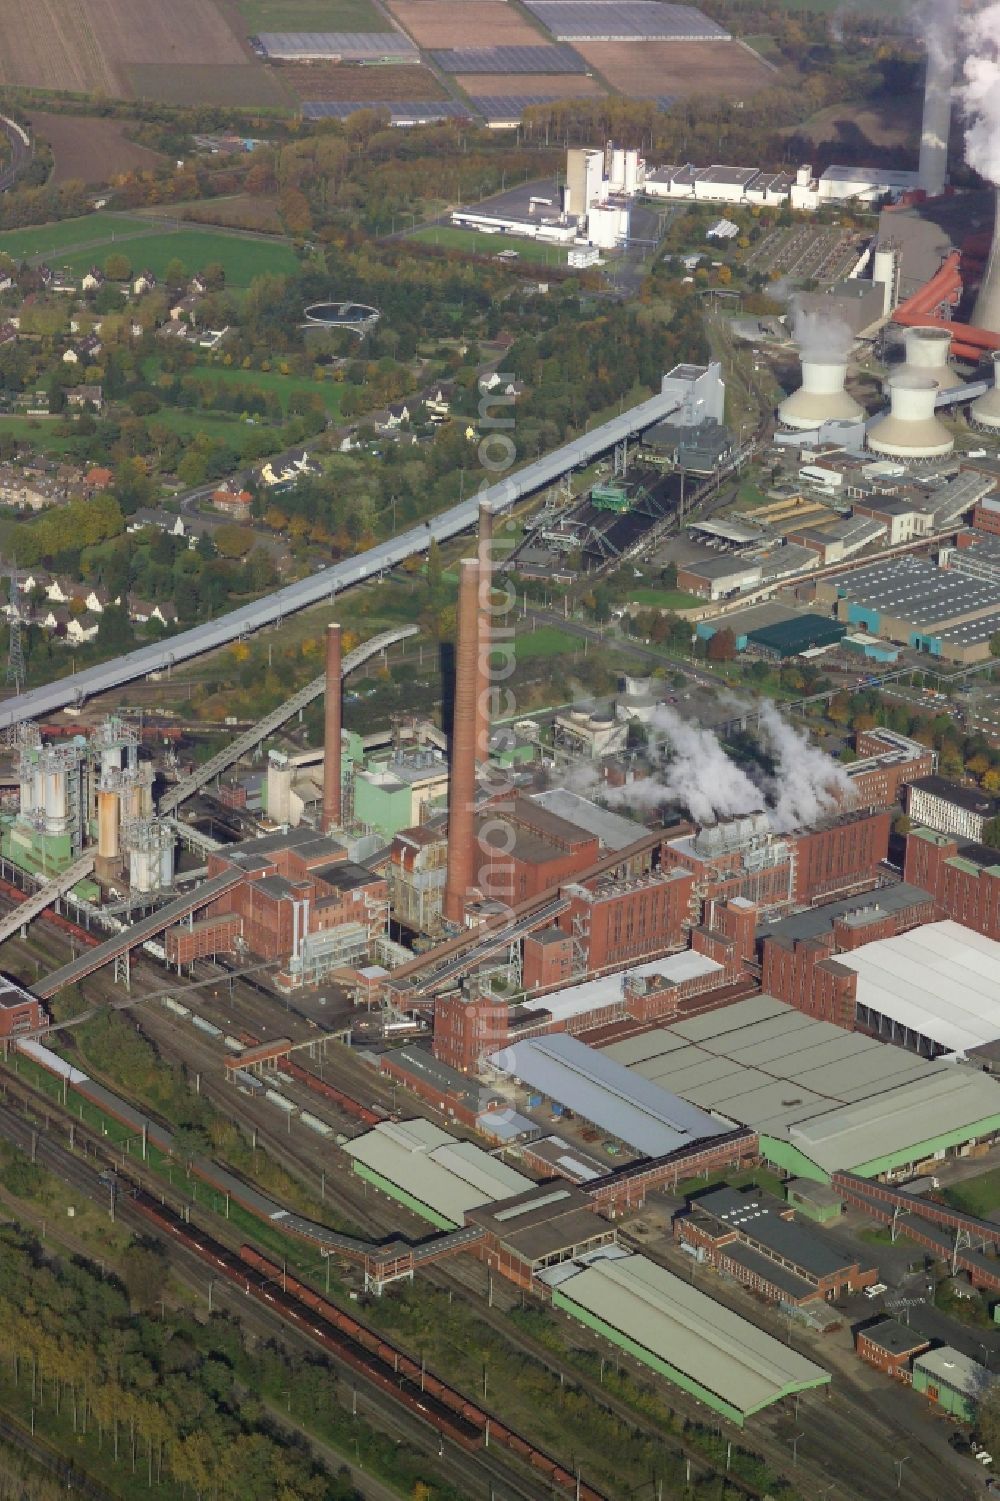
704,1348
431,1172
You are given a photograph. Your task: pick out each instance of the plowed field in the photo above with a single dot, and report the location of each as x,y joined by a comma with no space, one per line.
463,23
90,149
68,44
646,70
344,81
556,85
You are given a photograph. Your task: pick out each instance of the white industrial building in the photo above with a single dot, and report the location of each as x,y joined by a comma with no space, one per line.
431,1172
939,983
839,184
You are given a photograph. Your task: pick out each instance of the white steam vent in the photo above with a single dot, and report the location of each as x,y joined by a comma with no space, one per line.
926,353
825,343
910,430
986,411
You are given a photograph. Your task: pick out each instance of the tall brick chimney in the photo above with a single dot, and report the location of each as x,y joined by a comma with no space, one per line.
485,634
462,772
331,732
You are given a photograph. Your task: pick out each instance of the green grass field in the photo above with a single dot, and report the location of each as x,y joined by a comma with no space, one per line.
666,599
190,424
49,239
547,641
979,1195
450,238
270,380
243,259
40,432
311,15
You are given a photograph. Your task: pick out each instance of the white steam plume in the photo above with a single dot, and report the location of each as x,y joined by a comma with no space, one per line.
821,335
699,775
807,784
981,93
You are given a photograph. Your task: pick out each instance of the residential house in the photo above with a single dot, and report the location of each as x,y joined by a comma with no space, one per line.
500,385
144,282
142,611
86,396
8,332
86,352
184,310
7,282
93,280
98,478
396,414
437,401
163,521
234,503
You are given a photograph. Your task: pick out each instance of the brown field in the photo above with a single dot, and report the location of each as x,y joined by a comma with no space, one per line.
241,211
455,23
91,149
556,85
349,82
64,44
894,123
645,70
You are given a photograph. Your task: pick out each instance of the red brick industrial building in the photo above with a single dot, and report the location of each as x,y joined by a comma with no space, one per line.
19,1011
301,902
798,956
963,879
887,763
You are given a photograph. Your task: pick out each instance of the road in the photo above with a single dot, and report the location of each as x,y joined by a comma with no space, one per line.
325,585
21,151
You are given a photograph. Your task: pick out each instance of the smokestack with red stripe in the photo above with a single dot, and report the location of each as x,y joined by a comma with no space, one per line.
462,772
331,733
485,634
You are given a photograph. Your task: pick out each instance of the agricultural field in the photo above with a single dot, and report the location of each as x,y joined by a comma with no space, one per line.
469,240
310,15
553,85
48,240
894,122
355,82
89,148
647,70
243,259
250,85
61,44
441,23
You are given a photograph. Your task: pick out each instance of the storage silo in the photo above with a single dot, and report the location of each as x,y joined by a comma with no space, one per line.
986,411
822,396
910,430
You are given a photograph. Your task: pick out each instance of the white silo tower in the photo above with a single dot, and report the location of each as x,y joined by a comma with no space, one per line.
926,353
986,411
910,430
821,396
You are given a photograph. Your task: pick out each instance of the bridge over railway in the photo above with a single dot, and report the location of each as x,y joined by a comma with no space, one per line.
272,609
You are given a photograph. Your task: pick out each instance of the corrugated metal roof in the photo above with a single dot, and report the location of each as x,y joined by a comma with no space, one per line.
595,1087
941,980
447,1175
681,1325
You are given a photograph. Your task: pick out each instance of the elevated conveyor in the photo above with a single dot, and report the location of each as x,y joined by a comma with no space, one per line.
26,911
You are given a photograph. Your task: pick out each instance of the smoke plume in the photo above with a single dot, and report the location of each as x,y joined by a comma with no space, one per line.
699,775
821,335
807,785
980,93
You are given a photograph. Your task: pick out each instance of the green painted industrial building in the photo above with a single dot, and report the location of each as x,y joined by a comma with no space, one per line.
955,1382
820,1098
675,1329
788,638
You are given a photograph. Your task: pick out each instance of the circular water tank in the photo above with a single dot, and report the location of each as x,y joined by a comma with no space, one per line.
821,397
910,429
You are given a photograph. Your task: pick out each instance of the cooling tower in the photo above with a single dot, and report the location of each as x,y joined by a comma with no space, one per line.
926,354
986,411
910,430
939,79
986,313
821,397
